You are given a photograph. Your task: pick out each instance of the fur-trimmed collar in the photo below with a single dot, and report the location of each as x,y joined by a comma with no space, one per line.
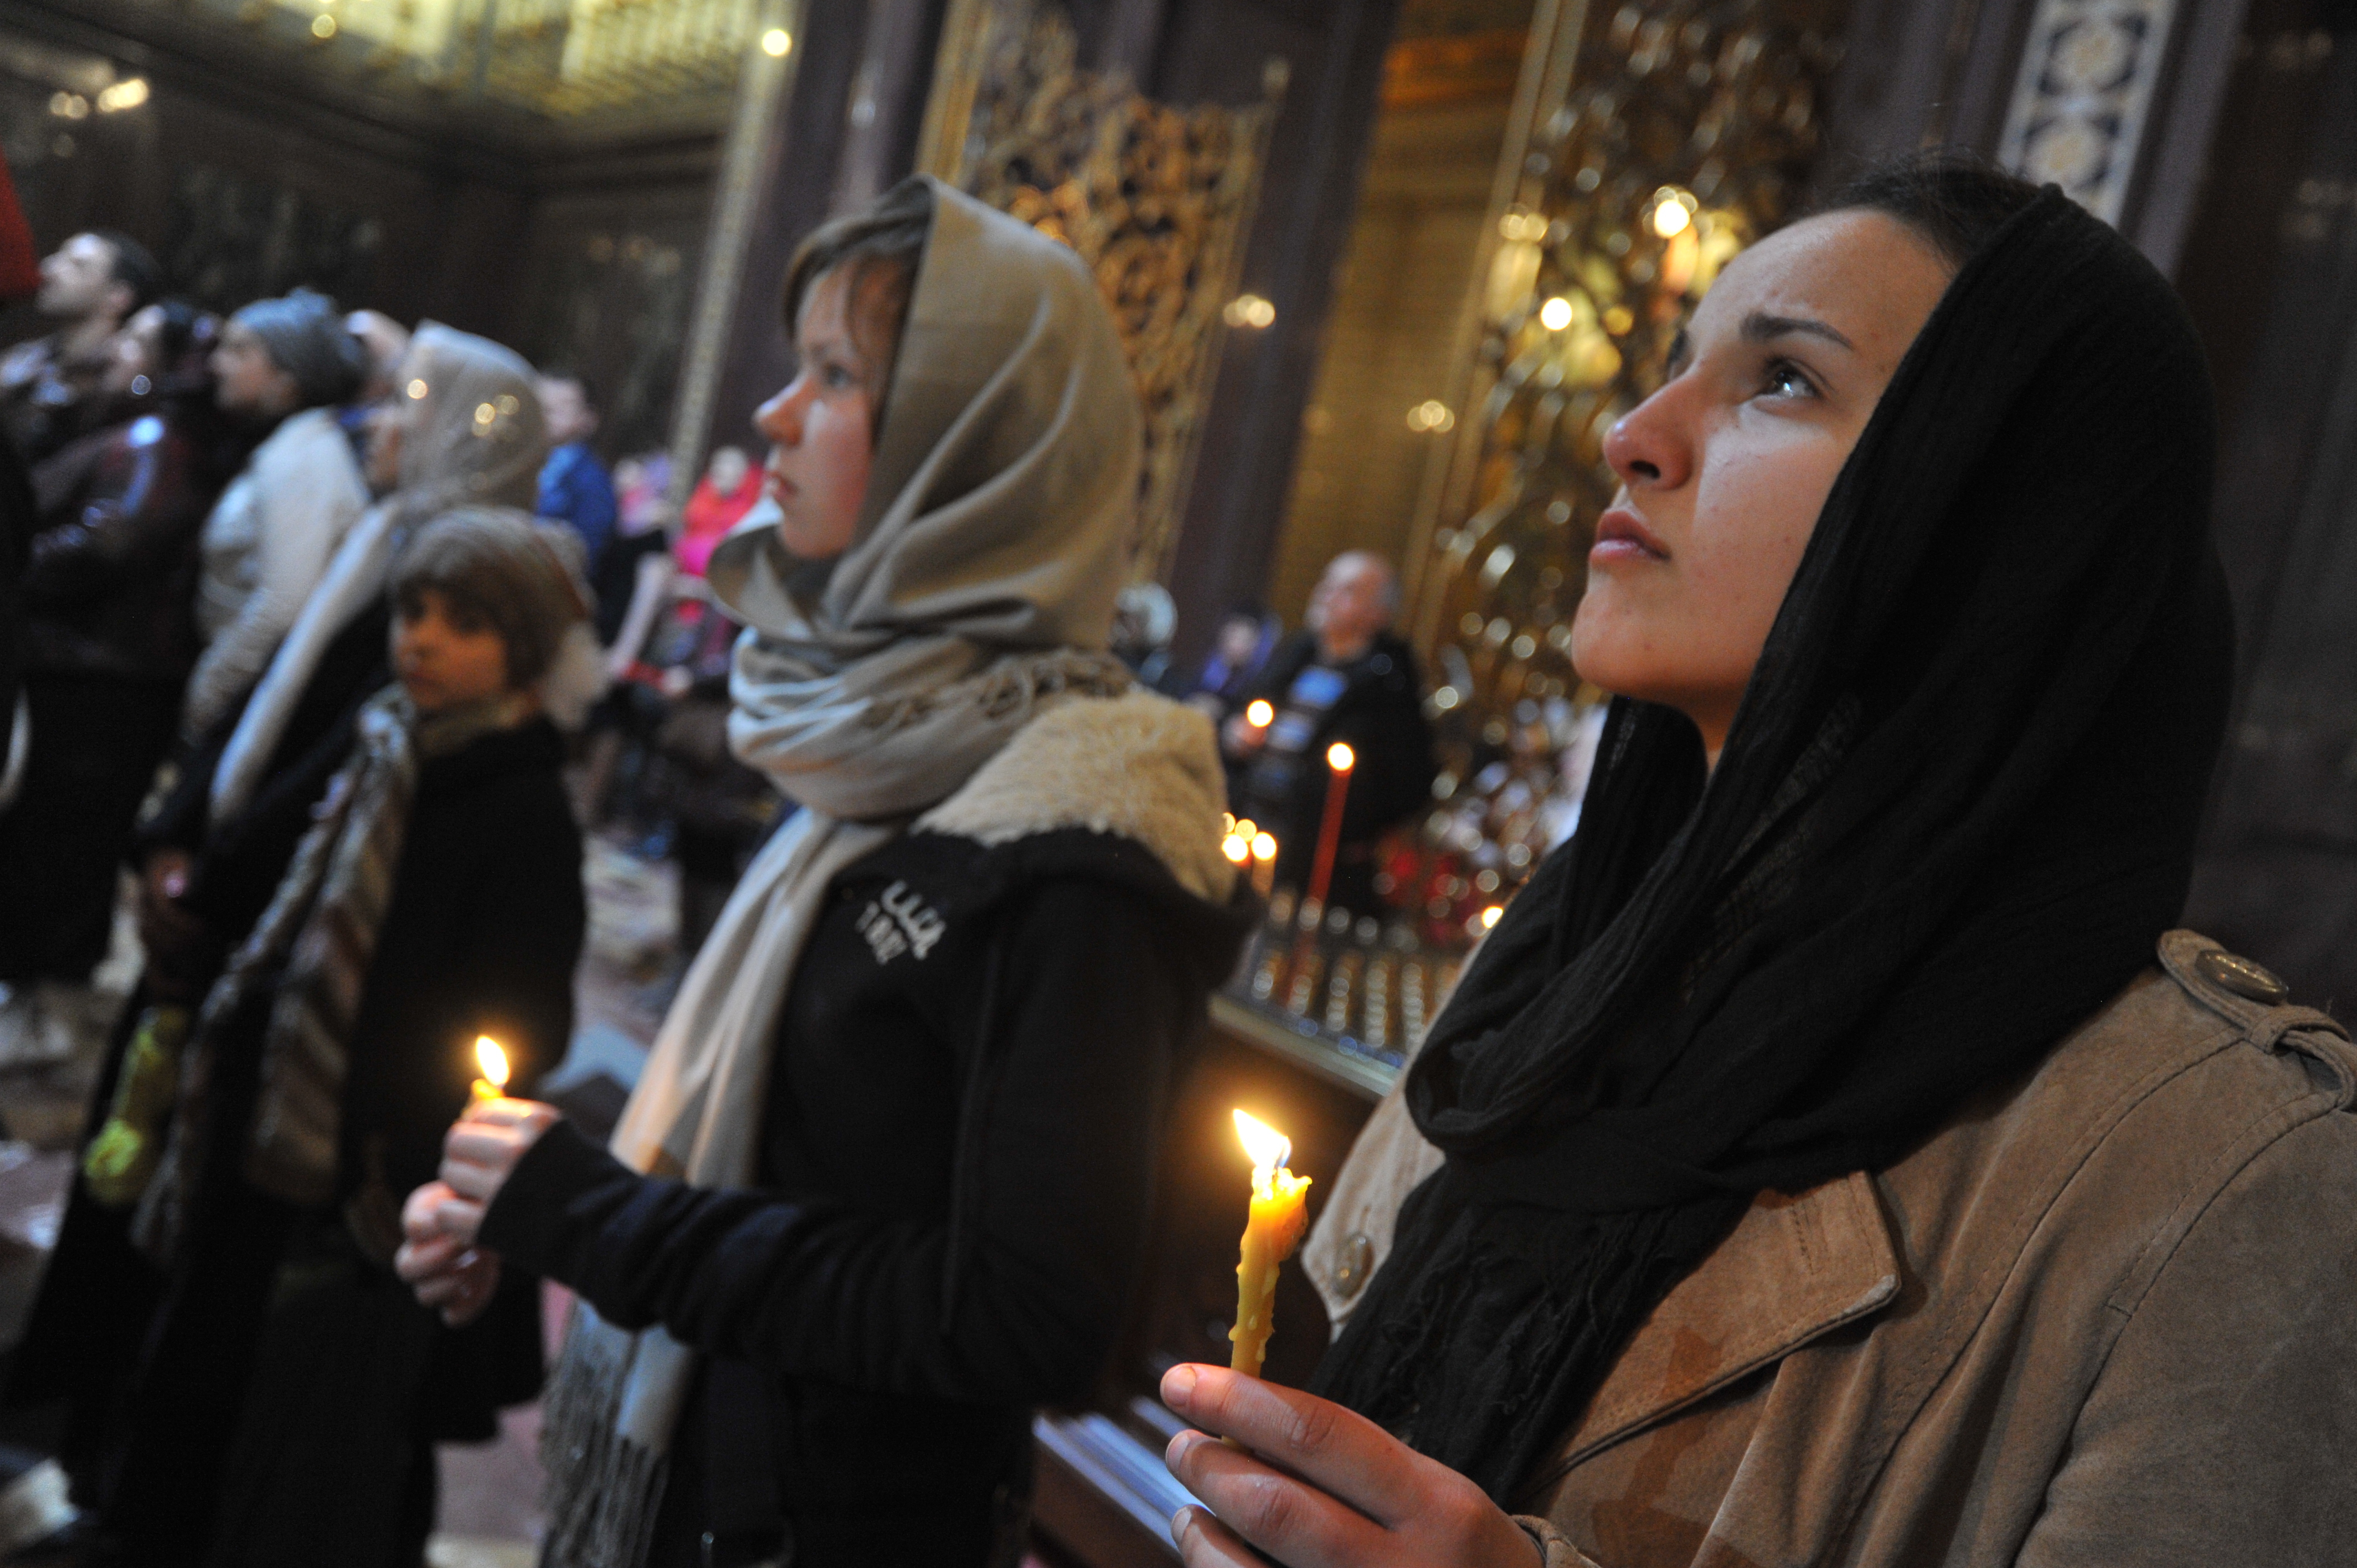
1139,765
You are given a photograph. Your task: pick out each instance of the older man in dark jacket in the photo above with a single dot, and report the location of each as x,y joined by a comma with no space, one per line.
1346,678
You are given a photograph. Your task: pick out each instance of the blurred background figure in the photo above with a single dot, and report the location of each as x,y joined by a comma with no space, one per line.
1144,617
575,487
724,495
20,277
642,511
1345,677
383,343
282,365
110,636
1240,651
89,286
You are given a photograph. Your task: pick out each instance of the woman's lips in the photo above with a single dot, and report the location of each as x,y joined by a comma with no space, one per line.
775,485
1620,535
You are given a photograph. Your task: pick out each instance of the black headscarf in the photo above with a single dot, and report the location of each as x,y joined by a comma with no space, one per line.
1956,808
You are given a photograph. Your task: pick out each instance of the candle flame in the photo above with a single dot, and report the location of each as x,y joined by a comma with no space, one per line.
1235,849
492,1060
1490,916
1268,1147
1264,846
1259,714
1340,757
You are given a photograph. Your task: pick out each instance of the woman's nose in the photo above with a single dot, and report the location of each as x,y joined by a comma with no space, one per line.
1648,446
781,418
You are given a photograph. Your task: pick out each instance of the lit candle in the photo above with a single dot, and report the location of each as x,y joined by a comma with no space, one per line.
1260,712
1340,760
493,1084
1274,1230
1264,855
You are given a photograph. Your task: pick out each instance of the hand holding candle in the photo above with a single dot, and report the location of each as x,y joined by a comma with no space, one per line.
1270,1236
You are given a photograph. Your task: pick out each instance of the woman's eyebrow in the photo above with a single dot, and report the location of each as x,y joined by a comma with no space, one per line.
1761,328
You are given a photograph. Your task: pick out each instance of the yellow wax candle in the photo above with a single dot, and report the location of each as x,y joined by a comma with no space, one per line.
1270,1236
493,1084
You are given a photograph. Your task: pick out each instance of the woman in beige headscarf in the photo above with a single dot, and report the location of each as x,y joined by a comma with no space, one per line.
882,1187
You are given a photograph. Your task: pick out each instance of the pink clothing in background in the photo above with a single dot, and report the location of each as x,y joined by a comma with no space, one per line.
709,517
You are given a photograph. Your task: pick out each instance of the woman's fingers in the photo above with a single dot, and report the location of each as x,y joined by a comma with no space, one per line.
1205,1543
1339,1451
484,1145
434,1212
464,1294
421,1209
505,1112
1288,1519
421,1261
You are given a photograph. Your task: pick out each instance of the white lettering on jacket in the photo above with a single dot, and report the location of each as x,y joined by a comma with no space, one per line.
899,922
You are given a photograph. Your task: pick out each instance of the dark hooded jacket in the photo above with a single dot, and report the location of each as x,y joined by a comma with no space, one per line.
974,1062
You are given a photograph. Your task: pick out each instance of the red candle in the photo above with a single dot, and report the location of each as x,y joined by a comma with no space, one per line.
1340,760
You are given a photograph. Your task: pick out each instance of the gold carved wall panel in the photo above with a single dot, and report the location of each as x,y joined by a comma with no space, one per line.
1156,200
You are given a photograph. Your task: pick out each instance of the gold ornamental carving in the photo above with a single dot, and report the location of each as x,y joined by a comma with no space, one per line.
1650,143
1157,200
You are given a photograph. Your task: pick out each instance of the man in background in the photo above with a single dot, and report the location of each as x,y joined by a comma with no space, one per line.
575,487
89,286
1345,677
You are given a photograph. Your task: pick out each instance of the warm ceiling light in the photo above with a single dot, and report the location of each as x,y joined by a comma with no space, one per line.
777,41
1249,310
323,25
1555,314
1673,211
123,95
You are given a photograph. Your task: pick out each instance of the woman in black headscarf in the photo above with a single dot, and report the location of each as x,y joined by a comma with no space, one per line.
1813,1168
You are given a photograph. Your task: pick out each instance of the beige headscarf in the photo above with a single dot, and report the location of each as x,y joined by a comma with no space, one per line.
978,591
476,438
997,516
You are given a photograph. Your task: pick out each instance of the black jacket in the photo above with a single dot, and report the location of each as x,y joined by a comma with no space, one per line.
974,1062
111,585
482,936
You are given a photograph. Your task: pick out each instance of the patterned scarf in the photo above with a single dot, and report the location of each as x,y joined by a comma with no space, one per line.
310,951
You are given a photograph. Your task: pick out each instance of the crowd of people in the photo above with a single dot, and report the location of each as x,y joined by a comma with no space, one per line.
1833,1155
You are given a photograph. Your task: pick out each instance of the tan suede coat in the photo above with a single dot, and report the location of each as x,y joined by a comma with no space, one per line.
2105,1316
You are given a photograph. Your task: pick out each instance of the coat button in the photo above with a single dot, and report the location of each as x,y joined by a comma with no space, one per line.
1354,1260
2242,977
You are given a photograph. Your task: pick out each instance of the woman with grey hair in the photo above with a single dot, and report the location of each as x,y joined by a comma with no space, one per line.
285,362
